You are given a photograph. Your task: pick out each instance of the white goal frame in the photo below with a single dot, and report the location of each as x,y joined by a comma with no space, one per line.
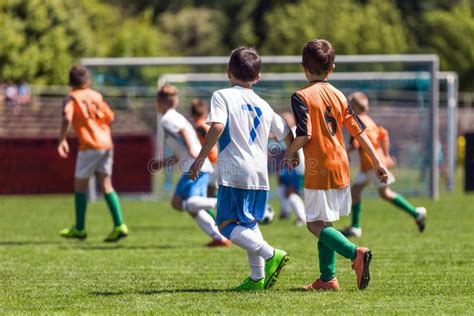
429,60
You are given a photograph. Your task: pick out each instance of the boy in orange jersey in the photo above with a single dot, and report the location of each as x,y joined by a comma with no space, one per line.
379,138
199,114
90,116
321,111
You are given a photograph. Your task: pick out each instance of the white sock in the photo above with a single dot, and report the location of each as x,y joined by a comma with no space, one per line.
257,263
283,201
250,240
208,225
197,203
296,204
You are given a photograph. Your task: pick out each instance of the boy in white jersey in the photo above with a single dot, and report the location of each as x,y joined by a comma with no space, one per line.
241,121
177,133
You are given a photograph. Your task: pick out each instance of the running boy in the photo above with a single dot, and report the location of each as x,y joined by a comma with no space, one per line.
90,116
199,113
320,111
241,121
378,136
180,136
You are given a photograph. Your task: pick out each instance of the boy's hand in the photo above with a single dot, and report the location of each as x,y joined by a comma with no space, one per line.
63,149
290,160
195,168
382,173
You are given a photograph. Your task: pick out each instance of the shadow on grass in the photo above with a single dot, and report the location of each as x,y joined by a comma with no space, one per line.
171,291
158,292
136,247
19,243
154,228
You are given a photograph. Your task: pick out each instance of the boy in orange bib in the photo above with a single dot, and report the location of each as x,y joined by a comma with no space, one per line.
378,136
321,111
90,116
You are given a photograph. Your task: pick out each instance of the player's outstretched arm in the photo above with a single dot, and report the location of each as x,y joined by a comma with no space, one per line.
211,140
367,146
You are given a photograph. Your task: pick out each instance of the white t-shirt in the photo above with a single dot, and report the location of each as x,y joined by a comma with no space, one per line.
169,127
243,152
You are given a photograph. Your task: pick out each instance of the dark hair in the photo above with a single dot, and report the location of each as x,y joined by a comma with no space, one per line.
245,64
318,56
78,76
199,107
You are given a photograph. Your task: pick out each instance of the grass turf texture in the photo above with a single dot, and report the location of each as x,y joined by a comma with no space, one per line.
162,266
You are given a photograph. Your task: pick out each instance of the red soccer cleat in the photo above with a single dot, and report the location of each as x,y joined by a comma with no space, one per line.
219,243
321,285
361,267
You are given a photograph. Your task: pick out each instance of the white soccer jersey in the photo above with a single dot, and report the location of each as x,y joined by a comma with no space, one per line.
248,121
170,125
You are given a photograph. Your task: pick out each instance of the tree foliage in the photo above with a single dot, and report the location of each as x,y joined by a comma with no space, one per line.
40,39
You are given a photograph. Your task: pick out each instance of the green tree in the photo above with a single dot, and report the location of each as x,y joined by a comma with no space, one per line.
193,32
353,27
451,35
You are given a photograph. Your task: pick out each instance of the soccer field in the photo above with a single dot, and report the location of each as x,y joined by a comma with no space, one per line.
162,267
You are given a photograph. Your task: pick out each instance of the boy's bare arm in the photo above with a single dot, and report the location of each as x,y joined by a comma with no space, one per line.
187,141
211,139
367,146
63,146
291,157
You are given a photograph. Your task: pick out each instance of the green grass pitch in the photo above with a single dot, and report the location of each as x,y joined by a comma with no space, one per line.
163,267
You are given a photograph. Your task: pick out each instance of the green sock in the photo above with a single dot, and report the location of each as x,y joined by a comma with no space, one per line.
356,208
327,262
80,202
114,207
399,201
335,240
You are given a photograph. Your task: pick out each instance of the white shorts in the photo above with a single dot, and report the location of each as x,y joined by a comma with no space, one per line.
327,205
370,177
90,161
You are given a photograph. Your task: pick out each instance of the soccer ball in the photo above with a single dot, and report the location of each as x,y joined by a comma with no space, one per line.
268,216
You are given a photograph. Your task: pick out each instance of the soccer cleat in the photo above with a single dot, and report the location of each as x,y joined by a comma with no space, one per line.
219,243
117,233
73,232
250,285
361,267
319,284
421,218
273,267
351,231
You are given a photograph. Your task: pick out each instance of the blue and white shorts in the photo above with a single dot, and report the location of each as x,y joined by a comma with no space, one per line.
291,178
241,205
187,187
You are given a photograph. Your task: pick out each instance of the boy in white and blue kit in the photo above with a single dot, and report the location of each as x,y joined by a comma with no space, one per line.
241,121
176,133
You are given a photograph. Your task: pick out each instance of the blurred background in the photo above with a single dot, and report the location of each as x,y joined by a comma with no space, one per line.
41,39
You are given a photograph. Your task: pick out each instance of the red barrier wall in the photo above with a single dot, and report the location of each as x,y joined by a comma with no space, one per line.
32,165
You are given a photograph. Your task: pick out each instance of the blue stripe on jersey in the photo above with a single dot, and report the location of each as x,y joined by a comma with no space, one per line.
224,140
256,121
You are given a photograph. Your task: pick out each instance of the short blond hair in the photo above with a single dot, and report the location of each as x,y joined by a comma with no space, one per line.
359,102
